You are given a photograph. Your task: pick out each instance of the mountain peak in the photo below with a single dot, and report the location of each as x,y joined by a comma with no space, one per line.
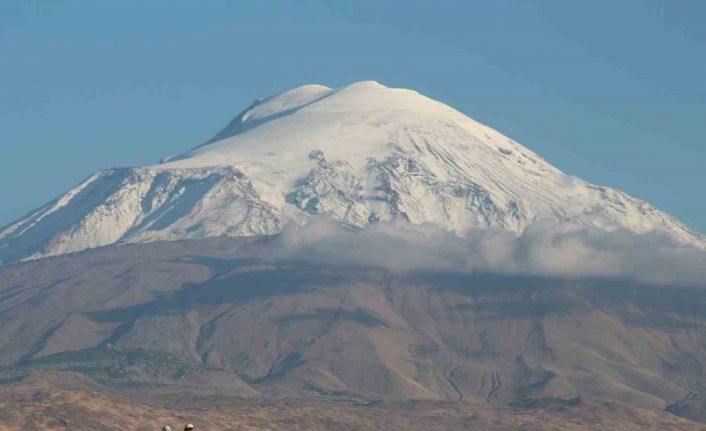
362,153
357,121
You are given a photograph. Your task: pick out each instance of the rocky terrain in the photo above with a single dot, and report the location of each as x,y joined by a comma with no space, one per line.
57,402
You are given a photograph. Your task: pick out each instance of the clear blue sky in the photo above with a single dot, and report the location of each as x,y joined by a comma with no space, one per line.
611,91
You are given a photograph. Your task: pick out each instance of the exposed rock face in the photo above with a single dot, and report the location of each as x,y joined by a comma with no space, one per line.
362,154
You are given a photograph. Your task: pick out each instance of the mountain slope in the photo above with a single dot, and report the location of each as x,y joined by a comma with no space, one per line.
208,316
363,153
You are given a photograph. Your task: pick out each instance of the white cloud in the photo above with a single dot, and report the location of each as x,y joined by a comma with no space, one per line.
567,250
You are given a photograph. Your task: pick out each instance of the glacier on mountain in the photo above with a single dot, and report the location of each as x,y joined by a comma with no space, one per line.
362,154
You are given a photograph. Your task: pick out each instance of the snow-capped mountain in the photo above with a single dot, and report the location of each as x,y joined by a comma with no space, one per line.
362,153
